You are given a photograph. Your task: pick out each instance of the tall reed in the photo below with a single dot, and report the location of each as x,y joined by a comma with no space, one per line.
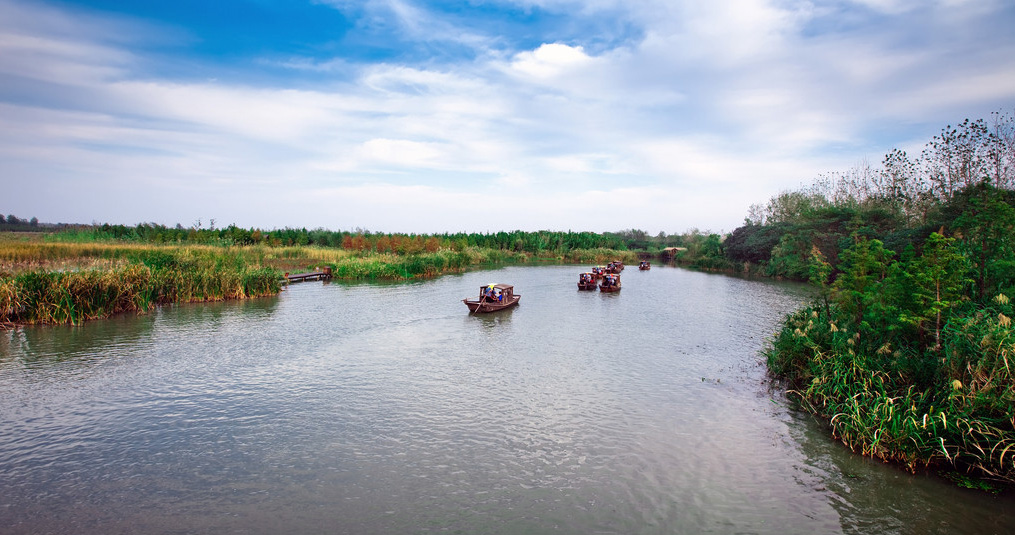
599,256
422,265
72,281
964,416
146,280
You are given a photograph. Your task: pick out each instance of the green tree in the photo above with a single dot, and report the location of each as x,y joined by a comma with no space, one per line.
820,272
754,243
790,257
939,280
987,226
864,266
792,206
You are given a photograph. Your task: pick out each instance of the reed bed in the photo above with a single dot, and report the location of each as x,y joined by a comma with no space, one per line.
955,406
598,256
41,296
47,281
388,266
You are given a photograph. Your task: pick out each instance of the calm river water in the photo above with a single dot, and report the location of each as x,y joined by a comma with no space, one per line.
387,408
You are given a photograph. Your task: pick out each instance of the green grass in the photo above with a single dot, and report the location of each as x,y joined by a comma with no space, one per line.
67,279
919,408
39,296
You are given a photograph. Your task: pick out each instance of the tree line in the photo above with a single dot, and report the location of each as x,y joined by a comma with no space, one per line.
13,223
537,242
960,185
701,249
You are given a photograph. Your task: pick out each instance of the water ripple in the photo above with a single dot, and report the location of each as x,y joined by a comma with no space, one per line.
379,408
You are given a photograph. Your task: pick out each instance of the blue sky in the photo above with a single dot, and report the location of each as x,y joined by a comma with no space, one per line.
484,115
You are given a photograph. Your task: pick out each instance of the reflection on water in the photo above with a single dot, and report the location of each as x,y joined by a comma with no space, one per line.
388,408
92,342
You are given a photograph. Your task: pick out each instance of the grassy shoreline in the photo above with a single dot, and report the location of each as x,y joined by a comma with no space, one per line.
949,408
52,282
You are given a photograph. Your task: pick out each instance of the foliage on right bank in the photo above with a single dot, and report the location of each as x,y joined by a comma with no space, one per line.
908,349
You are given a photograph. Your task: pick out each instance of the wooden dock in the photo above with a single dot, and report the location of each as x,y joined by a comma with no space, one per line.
324,274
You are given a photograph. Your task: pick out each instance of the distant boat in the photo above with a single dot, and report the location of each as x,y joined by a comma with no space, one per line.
610,283
587,281
644,265
493,297
615,267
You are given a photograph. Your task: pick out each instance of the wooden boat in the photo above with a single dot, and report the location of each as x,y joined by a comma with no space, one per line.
493,297
644,265
599,271
611,283
615,267
587,281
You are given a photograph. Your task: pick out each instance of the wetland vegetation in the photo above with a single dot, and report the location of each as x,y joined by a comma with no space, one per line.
93,272
907,350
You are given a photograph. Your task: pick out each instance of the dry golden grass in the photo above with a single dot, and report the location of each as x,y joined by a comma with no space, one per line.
28,251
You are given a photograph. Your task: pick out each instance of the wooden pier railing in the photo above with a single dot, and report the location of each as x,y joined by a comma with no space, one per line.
323,274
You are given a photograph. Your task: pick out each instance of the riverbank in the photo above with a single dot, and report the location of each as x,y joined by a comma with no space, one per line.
887,398
53,282
43,283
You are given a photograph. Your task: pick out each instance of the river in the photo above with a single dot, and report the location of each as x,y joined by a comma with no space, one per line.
368,408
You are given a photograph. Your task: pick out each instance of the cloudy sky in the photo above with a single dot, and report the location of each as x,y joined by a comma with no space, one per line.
480,115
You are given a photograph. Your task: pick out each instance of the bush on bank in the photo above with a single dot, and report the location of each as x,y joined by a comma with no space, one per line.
903,359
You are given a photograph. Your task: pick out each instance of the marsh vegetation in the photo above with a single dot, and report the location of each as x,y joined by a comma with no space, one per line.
89,273
908,349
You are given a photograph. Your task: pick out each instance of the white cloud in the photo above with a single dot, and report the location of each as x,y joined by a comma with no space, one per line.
403,153
893,7
898,7
282,116
714,107
389,207
550,60
585,164
960,93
